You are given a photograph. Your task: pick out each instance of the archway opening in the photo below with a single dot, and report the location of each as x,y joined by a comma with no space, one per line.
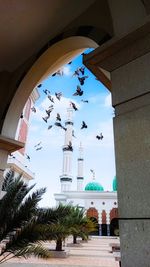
114,227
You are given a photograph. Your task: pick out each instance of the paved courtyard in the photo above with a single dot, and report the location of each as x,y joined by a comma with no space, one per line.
95,253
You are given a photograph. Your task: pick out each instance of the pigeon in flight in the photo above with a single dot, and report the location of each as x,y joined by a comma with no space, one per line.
82,69
58,118
82,79
58,95
49,110
85,101
70,145
59,72
46,118
58,124
46,91
78,91
49,127
73,134
50,98
39,148
38,144
28,157
39,85
83,125
74,106
33,109
100,137
76,72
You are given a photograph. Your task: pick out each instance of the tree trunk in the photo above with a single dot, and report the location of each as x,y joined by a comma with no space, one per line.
59,244
74,239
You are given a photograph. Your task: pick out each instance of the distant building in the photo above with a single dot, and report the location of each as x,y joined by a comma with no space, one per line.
100,205
17,161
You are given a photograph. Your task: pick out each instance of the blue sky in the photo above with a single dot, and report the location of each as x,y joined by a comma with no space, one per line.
98,114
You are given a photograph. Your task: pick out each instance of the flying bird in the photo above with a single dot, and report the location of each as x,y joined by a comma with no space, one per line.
28,157
76,72
58,95
33,109
49,127
74,106
82,79
38,144
58,118
69,63
46,118
82,69
70,145
73,134
83,125
46,91
49,110
85,101
78,92
59,72
39,85
39,148
50,98
100,137
58,124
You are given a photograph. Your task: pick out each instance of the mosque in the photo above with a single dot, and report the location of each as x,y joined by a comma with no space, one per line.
99,204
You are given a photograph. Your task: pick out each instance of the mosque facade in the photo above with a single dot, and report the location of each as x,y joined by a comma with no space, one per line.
100,205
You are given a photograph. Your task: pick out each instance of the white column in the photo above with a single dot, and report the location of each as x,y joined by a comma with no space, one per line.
108,222
100,223
80,170
66,177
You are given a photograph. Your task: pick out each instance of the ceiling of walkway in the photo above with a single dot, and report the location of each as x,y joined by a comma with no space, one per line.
27,25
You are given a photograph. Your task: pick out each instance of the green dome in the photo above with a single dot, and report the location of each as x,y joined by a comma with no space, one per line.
94,186
114,185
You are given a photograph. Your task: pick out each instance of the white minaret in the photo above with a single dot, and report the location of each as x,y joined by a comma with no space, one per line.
66,177
80,169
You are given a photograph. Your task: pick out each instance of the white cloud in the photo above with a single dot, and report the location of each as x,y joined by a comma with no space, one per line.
67,70
108,101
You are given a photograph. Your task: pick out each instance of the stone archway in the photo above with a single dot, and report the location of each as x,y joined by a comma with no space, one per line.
114,223
92,213
51,60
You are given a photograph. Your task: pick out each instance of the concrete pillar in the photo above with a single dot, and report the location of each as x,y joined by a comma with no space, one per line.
127,61
131,99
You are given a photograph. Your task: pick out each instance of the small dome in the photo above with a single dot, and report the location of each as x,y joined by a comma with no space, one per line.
94,186
114,185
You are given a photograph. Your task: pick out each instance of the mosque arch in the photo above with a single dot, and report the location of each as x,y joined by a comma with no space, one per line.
114,223
50,61
92,213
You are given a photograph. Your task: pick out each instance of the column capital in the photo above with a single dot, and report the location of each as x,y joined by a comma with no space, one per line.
118,52
10,145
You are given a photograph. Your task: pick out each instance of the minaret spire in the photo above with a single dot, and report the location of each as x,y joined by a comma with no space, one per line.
66,177
80,169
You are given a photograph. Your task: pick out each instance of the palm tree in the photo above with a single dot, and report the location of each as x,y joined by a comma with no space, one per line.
81,224
57,223
20,232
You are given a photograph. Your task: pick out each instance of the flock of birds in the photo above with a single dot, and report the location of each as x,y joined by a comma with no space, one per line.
80,74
